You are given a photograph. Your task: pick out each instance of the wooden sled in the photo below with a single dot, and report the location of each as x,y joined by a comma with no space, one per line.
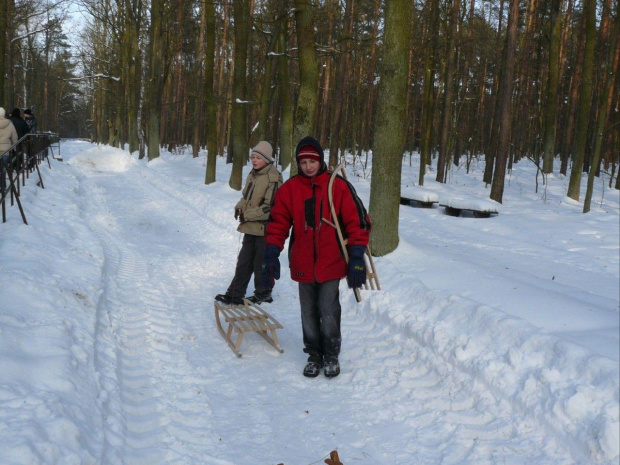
372,279
246,318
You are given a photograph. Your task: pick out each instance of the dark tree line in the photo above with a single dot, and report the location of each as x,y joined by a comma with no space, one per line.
499,79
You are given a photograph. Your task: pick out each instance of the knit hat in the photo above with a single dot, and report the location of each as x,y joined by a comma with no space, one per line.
264,150
16,113
308,152
2,112
310,148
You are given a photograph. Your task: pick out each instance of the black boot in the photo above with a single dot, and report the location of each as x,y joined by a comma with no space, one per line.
332,367
313,367
259,300
228,300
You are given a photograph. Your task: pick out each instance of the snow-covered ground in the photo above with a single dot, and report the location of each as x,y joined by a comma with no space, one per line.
491,341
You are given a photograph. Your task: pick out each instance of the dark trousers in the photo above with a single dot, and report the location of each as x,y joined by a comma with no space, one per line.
320,318
250,260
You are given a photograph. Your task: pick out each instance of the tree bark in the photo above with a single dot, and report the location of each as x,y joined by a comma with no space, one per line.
284,91
390,132
499,175
553,81
446,120
3,45
493,133
585,101
341,84
200,97
239,132
305,109
157,76
613,57
428,104
210,107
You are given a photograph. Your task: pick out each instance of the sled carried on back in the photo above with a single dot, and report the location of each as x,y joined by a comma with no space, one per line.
372,279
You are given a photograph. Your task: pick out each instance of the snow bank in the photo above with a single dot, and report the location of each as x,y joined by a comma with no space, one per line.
101,158
565,386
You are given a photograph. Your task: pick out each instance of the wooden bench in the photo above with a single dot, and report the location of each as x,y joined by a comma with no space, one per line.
417,197
246,318
480,208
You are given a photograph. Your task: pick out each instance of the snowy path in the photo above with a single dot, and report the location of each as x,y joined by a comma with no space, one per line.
173,392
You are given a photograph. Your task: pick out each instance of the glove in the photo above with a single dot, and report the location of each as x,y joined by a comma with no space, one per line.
356,271
241,218
237,213
271,265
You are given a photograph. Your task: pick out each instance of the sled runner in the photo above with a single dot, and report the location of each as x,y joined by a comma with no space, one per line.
372,279
245,318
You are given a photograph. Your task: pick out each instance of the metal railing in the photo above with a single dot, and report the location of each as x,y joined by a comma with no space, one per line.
20,161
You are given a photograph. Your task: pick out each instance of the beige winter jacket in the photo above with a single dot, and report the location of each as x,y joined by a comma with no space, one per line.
8,135
260,188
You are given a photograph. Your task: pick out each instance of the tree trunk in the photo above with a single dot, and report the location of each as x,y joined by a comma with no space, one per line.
305,109
493,133
220,84
585,101
553,81
262,132
341,84
133,15
573,94
157,77
3,45
209,96
613,56
286,112
325,108
200,97
367,130
505,104
239,132
428,104
446,120
390,132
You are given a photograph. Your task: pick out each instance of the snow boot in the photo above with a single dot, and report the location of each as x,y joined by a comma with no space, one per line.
332,367
259,300
313,367
228,300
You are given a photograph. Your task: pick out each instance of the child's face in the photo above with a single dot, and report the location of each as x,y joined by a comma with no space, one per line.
309,167
258,162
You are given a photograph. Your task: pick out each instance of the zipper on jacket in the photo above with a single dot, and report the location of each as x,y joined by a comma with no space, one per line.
316,230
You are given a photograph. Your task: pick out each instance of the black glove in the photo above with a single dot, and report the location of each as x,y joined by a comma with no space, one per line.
271,265
356,271
237,213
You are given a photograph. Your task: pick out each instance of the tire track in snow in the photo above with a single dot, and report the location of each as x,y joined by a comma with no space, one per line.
153,407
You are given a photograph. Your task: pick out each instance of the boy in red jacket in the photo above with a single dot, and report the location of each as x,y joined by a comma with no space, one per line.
316,260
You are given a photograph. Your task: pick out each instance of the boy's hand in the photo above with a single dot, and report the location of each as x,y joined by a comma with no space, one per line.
271,266
356,270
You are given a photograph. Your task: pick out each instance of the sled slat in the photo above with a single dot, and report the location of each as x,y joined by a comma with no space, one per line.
245,318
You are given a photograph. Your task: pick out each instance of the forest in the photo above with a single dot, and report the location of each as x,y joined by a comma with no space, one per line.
454,80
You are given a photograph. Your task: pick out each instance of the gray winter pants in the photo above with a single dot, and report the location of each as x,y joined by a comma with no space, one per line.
250,261
320,319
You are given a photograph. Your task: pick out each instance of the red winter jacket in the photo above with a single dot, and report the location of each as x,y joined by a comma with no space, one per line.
314,250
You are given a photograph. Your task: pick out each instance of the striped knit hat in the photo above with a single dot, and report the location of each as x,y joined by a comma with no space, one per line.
264,150
310,148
